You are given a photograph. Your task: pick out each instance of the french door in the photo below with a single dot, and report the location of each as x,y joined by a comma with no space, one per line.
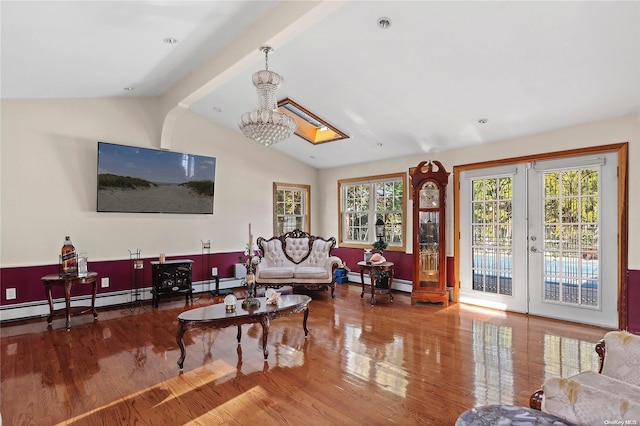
541,238
493,265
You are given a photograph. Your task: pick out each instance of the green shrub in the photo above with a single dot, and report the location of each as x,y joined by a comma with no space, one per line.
204,187
108,180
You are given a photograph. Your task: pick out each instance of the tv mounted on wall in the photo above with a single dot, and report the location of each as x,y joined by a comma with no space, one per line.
143,180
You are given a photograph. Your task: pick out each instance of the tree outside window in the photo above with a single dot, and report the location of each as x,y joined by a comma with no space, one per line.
291,207
364,201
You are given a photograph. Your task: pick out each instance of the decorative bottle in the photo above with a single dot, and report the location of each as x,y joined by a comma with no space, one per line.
69,259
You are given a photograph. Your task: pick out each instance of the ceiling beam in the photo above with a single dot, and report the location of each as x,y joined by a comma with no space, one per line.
282,23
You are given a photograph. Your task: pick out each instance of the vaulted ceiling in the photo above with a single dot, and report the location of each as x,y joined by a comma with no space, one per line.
420,85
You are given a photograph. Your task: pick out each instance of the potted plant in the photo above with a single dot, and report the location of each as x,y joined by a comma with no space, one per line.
379,245
381,278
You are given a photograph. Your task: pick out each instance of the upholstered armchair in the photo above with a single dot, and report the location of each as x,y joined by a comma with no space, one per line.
589,398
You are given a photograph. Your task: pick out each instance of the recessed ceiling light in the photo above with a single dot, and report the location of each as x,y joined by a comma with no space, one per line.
128,89
384,23
170,40
483,120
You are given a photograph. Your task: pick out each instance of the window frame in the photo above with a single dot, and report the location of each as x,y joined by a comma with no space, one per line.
371,180
306,203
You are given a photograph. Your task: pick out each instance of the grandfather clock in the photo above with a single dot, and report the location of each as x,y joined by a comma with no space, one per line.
429,257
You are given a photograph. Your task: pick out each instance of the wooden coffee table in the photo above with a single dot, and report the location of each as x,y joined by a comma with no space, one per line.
215,316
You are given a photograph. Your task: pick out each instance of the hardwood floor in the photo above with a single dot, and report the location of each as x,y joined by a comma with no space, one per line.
391,363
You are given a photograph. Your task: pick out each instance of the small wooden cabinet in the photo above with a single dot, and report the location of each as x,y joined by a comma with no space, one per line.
430,262
170,278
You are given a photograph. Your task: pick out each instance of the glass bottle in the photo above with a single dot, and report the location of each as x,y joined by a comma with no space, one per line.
69,260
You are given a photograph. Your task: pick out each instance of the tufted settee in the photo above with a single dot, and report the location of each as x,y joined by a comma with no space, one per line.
611,396
297,259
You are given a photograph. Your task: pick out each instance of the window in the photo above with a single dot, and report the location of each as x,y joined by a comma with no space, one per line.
290,207
492,235
365,200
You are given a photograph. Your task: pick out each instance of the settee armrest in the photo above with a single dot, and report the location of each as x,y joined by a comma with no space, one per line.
333,263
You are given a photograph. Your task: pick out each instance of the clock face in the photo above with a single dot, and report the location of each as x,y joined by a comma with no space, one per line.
429,196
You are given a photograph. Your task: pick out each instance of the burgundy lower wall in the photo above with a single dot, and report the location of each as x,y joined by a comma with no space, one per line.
402,262
29,288
633,300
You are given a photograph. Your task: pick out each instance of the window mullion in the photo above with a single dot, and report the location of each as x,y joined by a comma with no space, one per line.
372,212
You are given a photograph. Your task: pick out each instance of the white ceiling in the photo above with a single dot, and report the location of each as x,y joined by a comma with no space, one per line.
419,86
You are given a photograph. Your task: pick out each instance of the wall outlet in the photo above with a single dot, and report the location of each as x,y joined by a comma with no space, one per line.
104,282
214,272
11,294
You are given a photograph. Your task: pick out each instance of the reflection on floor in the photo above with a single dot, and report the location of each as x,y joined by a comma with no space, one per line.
362,364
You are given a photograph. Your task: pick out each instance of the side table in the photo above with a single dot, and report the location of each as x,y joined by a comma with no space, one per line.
67,281
372,268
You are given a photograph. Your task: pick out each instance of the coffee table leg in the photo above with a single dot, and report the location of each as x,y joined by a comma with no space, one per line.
304,322
180,340
239,352
239,336
265,336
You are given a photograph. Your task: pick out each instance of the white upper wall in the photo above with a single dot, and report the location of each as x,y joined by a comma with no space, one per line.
48,158
623,129
48,178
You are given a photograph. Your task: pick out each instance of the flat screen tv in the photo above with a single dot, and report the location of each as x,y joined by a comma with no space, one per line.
143,180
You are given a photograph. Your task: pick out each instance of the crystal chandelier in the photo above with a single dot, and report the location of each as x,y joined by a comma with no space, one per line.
266,125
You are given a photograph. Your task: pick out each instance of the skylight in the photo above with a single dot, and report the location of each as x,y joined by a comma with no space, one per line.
311,128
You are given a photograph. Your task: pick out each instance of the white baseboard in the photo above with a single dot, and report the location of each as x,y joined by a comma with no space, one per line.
398,284
41,309
123,297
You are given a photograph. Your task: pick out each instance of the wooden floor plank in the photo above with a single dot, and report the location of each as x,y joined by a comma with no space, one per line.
391,363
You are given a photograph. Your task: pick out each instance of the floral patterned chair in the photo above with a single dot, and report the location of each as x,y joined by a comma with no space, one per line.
611,396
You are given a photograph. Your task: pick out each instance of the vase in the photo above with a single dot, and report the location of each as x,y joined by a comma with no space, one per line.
251,302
